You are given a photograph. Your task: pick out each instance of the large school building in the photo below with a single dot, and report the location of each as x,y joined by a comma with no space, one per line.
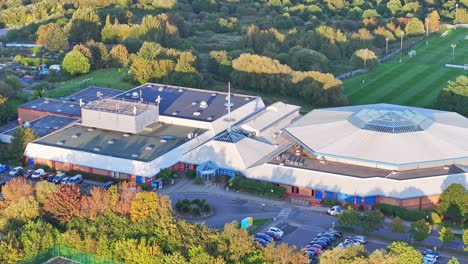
363,155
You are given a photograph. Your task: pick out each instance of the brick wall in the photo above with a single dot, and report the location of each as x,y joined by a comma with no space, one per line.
390,201
60,166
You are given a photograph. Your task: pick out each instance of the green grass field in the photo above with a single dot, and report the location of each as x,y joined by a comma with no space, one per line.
415,81
109,78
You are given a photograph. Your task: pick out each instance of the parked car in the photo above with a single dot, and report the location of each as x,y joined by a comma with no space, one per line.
324,238
334,210
324,244
274,235
4,167
28,173
58,178
77,179
430,252
64,180
37,174
360,239
16,171
336,232
352,242
264,237
329,235
50,178
108,184
317,251
429,259
261,241
276,230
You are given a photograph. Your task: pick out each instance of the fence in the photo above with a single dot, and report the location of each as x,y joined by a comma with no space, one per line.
68,253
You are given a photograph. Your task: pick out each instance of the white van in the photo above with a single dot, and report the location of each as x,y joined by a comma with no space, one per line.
77,179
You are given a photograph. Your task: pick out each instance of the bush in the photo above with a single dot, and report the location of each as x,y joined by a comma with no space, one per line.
435,218
195,209
191,174
206,208
405,214
179,205
44,167
185,208
329,202
198,180
397,226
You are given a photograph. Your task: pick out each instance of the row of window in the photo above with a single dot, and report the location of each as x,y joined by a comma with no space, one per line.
319,195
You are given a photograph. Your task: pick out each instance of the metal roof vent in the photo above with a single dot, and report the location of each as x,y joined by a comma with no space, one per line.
90,129
446,167
71,105
203,104
96,149
247,99
163,140
110,142
134,155
175,113
148,148
127,94
55,127
33,106
161,89
126,135
194,103
59,110
46,101
61,142
197,113
75,136
135,95
148,86
209,118
180,90
213,94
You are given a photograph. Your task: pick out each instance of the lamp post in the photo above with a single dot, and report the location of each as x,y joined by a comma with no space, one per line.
401,45
453,51
456,10
386,46
427,30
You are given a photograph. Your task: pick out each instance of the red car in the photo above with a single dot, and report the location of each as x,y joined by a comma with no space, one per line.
317,246
316,250
274,235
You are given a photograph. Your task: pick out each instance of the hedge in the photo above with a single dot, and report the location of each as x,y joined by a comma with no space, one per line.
257,187
403,213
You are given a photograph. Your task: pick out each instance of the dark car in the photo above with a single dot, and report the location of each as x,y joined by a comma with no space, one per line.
274,235
324,238
324,244
261,241
264,237
337,233
330,236
28,173
316,245
50,178
108,184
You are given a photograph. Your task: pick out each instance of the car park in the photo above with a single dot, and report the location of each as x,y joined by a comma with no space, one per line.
4,167
16,171
58,178
316,245
261,241
108,184
276,230
334,210
360,239
77,179
274,235
264,237
38,174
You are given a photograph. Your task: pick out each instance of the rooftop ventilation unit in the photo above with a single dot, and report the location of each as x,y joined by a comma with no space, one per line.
59,110
96,149
175,113
194,103
127,94
190,135
203,104
446,167
71,105
61,142
161,89
75,136
126,135
247,99
148,86
213,94
209,118
110,142
180,90
27,124
55,127
148,148
163,140
135,95
33,106
90,129
46,101
134,155
196,113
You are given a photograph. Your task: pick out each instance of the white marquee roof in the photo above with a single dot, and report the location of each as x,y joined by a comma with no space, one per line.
384,133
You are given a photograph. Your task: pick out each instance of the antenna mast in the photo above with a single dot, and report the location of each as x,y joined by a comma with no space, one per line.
229,105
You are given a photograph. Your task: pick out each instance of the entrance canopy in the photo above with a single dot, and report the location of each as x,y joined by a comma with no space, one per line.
207,168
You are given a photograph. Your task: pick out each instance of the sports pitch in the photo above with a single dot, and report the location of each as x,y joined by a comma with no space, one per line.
415,81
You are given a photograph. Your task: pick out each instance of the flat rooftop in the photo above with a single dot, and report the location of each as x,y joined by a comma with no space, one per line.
46,124
361,171
195,104
56,106
153,142
91,94
119,106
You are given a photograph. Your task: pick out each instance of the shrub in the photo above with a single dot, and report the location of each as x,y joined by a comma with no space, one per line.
403,213
206,208
191,174
258,187
185,208
397,226
186,201
435,218
198,180
329,202
195,209
179,205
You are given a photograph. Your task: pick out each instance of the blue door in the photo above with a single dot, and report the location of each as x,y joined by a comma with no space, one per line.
31,161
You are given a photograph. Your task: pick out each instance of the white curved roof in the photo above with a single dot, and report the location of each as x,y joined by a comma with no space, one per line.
384,133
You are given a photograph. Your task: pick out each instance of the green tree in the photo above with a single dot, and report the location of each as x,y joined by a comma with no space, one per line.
364,59
20,212
4,110
303,59
394,6
446,235
142,70
36,237
43,189
406,253
397,225
454,201
453,260
465,239
373,220
84,25
370,13
343,255
119,56
20,139
220,64
75,63
454,97
420,230
56,39
414,27
349,218
133,44
100,54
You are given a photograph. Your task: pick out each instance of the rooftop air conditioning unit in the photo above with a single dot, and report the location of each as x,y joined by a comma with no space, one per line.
203,104
394,172
196,113
161,89
190,135
97,149
135,95
446,167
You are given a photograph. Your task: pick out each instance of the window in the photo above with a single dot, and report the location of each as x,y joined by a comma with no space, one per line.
294,189
312,193
186,167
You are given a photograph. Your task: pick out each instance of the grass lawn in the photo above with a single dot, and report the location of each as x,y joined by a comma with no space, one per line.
109,78
416,81
257,225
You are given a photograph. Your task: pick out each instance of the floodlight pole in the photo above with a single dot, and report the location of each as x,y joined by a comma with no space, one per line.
386,46
401,45
427,30
456,10
453,51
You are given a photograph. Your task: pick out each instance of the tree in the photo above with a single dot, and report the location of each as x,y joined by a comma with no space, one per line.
16,189
20,212
454,97
127,192
420,230
119,56
133,44
75,63
100,54
465,239
373,220
349,218
394,6
307,60
41,33
96,203
220,64
454,201
406,253
434,21
453,260
446,235
85,51
37,236
9,253
415,27
149,204
84,25
284,254
4,110
461,16
64,203
364,59
20,139
43,189
397,225
343,255
142,70
56,39
136,251
235,244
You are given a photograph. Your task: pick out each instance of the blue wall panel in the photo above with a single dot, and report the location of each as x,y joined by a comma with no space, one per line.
318,195
329,195
370,200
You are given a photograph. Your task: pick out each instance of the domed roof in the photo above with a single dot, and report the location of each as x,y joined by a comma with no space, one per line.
384,133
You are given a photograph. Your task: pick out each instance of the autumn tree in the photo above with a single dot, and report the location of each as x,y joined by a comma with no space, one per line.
141,70
84,25
414,27
406,253
397,225
465,239
20,139
235,244
9,253
85,51
446,235
453,260
75,63
127,192
119,56
4,111
343,255
64,203
43,189
149,204
135,251
56,39
434,21
16,189
41,33
94,204
461,16
283,254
